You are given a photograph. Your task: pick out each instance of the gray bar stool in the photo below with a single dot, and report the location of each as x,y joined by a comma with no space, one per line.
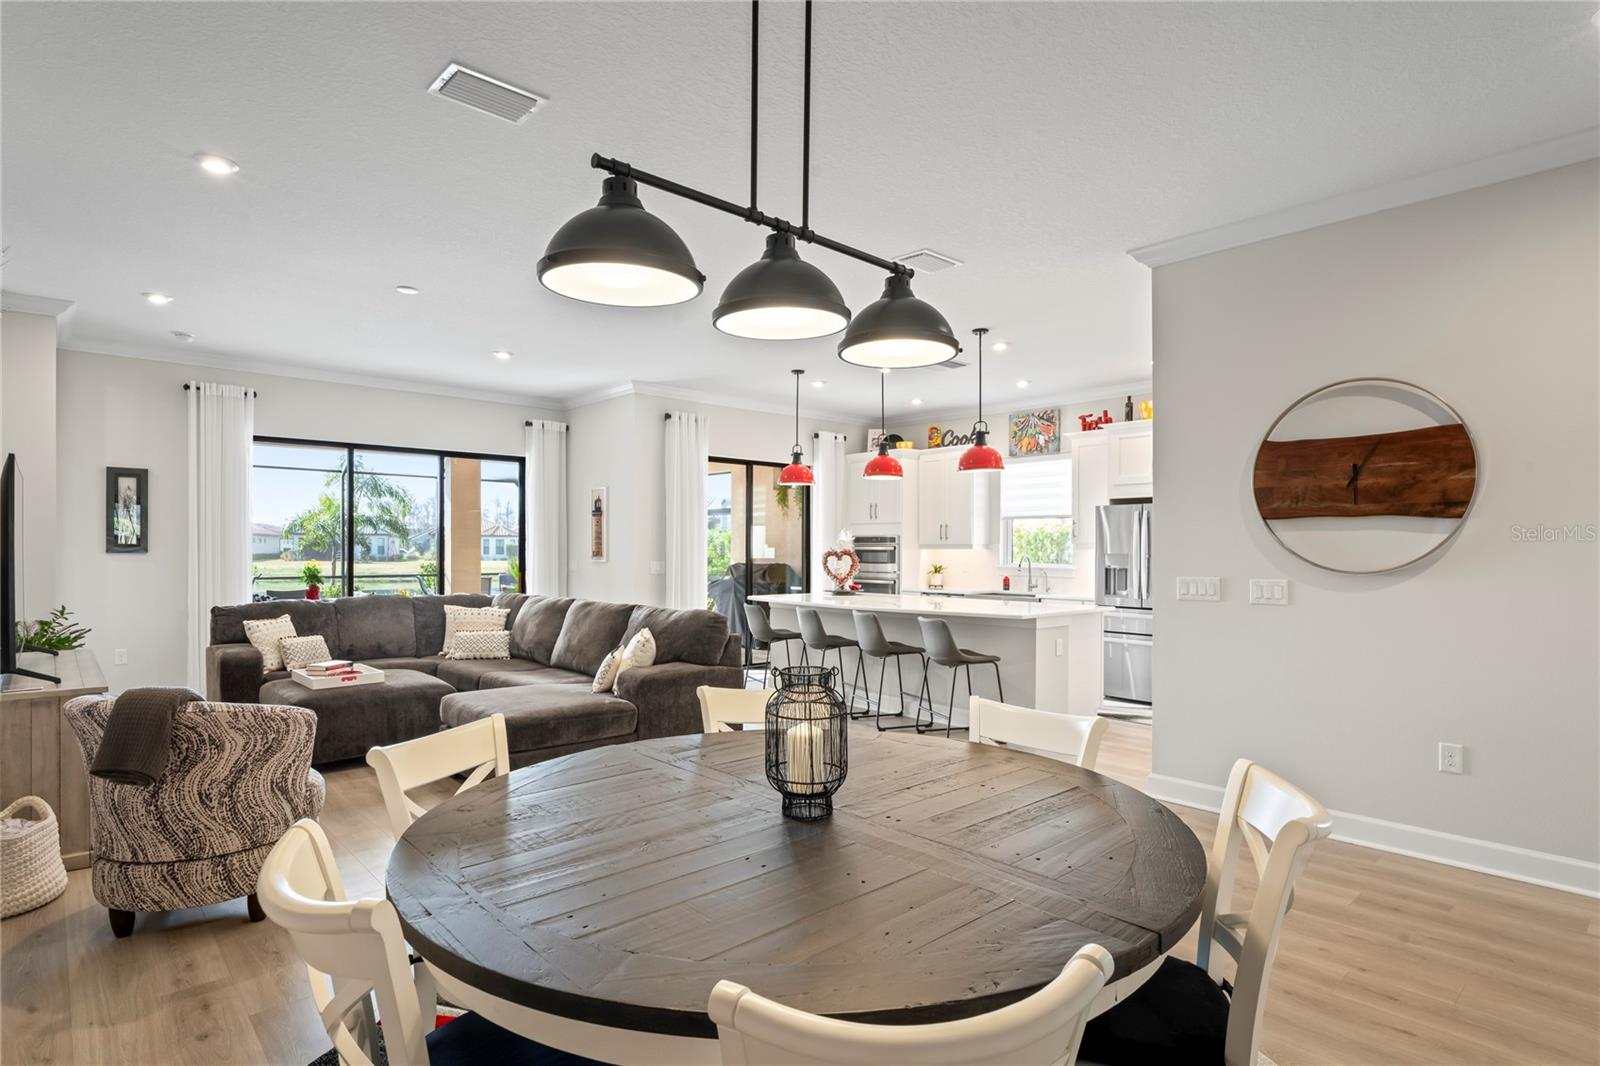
762,630
818,639
941,648
870,638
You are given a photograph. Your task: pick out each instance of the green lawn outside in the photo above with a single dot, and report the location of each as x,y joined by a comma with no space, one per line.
398,575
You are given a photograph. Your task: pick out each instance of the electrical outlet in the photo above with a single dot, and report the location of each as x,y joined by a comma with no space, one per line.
1452,758
1269,591
120,657
1200,588
657,566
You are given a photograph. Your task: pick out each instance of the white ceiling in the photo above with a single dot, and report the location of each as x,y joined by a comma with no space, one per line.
1036,142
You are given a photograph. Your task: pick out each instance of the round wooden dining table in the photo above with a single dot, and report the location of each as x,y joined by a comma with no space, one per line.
591,902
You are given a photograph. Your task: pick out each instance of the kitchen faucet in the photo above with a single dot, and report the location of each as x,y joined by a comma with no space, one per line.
1032,586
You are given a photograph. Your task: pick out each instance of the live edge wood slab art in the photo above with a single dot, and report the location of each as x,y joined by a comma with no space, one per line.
618,885
1420,473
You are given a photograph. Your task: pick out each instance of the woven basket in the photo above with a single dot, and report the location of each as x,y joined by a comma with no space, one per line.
31,872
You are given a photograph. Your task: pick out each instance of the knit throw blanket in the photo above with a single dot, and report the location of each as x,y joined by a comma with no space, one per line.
138,734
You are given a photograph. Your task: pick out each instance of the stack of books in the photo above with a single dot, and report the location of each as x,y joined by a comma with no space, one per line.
332,668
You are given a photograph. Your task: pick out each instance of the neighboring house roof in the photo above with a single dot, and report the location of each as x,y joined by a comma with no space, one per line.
495,529
265,529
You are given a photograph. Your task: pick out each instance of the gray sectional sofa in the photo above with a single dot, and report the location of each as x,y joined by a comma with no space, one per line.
543,689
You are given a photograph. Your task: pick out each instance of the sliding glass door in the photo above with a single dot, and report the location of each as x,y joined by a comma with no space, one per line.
757,538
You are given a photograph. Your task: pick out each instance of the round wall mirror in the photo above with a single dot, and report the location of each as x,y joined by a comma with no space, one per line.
1365,476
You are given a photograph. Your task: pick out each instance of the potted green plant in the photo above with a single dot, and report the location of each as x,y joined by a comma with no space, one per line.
936,576
312,576
56,633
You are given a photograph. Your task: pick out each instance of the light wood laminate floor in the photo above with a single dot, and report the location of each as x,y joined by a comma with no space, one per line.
1384,959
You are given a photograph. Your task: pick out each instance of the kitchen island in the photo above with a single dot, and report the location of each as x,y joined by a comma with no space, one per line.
1050,655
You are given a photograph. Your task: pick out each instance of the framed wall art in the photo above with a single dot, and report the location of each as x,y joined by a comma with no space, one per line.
127,509
1036,432
598,517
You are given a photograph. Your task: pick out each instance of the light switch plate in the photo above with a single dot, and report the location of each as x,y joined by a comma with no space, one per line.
1269,591
1200,588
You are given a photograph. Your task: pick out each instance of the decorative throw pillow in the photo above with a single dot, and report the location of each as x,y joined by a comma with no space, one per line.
470,620
265,634
303,651
605,678
480,644
641,651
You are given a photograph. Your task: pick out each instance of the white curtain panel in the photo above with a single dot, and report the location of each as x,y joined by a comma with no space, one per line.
827,501
222,421
688,448
546,487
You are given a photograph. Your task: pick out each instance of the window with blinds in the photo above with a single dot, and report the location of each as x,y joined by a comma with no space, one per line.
1036,511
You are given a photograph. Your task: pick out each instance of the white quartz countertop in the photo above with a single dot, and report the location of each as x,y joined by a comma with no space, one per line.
936,606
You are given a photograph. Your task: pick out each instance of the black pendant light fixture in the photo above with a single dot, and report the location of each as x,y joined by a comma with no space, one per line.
883,466
618,253
980,458
796,473
780,296
898,331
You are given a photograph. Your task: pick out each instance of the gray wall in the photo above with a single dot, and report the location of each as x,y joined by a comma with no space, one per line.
1488,298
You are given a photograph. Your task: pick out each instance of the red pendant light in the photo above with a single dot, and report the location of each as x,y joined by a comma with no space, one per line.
980,458
883,466
796,473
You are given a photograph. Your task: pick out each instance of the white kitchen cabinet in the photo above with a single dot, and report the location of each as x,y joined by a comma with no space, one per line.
1130,460
1090,455
873,503
954,509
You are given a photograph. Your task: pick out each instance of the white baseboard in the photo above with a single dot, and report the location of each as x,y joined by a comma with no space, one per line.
1468,853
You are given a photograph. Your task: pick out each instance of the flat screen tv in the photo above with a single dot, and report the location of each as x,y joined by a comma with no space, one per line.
10,557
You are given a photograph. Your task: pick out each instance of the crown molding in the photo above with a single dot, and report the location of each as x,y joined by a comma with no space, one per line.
22,303
1520,162
293,371
711,399
1096,393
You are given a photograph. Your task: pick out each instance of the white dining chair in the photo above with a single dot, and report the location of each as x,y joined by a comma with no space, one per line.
477,749
1042,1030
723,708
354,953
1072,737
1187,1012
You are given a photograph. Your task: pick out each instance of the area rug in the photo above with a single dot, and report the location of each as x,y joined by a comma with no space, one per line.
380,1053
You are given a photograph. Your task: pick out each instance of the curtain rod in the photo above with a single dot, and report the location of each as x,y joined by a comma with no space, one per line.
186,389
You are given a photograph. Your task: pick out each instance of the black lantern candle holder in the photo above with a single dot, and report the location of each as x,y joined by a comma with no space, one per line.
807,733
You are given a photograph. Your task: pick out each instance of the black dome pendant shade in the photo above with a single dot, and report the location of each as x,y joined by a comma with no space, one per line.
781,297
898,331
619,254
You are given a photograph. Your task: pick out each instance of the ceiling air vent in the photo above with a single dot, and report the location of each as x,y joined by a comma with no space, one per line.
951,364
927,261
483,93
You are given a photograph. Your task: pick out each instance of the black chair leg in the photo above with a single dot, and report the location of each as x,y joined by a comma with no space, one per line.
950,715
999,686
861,674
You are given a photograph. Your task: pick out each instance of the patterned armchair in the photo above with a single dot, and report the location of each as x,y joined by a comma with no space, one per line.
237,777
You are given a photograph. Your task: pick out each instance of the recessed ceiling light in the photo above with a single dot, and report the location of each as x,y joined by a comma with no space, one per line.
501,354
183,335
1001,346
407,290
817,383
216,165
1023,383
160,299
916,401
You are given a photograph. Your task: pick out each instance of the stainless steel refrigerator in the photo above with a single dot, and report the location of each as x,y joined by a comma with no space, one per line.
1123,582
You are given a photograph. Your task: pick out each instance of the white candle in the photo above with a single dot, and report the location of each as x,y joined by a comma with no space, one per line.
803,749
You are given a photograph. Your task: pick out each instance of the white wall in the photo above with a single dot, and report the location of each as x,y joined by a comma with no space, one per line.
115,411
28,428
1488,298
619,443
